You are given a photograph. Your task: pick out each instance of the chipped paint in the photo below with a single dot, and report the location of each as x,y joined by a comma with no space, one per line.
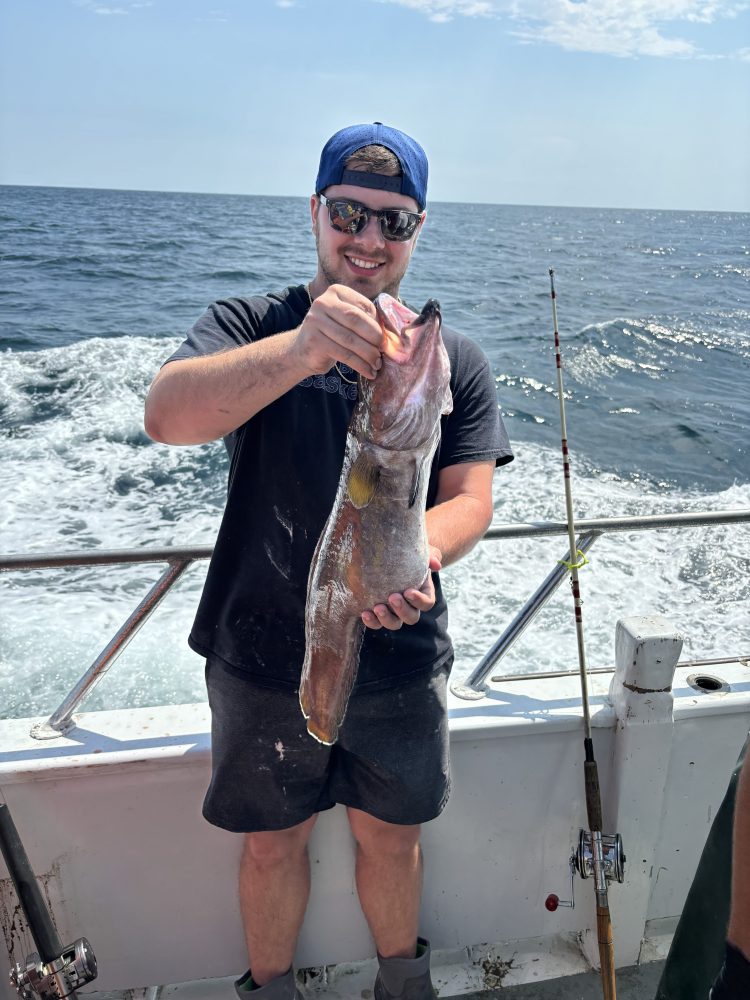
495,970
640,690
13,925
16,933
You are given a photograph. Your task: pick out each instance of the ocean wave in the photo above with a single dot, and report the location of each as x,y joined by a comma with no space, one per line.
656,340
696,577
234,275
89,478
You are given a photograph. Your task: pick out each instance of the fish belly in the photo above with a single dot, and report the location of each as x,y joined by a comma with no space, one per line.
364,555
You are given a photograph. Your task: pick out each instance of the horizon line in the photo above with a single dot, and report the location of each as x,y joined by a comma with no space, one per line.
244,194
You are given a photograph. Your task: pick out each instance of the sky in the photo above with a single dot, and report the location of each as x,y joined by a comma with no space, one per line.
616,103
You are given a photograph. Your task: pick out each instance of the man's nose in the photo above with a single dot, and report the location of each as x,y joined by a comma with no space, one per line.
372,234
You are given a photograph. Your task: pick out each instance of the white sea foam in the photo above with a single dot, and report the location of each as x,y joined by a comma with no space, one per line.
697,577
77,471
87,477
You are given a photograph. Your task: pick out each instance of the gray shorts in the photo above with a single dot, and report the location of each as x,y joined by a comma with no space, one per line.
391,759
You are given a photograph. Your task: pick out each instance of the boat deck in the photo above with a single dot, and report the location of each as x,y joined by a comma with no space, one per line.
639,982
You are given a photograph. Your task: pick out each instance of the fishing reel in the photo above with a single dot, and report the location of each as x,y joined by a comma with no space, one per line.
582,861
59,978
612,856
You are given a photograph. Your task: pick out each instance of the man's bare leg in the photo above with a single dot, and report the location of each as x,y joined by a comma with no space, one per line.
389,882
274,889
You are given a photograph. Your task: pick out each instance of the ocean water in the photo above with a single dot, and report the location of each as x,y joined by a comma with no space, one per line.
98,287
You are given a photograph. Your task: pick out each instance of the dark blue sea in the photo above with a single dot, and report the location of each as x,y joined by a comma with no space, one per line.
98,287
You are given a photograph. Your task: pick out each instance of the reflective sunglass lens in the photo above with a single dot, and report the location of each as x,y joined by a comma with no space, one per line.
351,217
346,217
398,225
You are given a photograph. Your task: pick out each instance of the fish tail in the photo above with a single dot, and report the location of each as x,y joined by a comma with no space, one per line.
328,676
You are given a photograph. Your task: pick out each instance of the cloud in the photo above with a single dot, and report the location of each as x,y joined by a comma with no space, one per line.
100,8
441,11
213,17
610,27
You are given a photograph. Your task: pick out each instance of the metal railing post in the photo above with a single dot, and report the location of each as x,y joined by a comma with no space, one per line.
473,688
61,719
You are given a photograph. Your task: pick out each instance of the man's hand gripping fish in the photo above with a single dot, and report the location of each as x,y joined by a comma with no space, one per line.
375,541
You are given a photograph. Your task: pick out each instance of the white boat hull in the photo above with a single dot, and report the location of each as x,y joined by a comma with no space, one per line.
110,818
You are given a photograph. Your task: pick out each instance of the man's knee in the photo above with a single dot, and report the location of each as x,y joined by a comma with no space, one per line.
270,848
376,836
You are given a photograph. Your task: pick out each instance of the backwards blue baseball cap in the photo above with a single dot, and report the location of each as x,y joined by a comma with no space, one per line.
411,156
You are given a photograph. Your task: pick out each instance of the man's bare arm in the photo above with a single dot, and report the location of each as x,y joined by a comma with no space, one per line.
200,399
463,509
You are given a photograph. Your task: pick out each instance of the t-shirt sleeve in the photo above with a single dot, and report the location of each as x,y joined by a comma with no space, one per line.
474,431
225,325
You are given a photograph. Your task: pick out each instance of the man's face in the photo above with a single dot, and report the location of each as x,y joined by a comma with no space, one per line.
366,261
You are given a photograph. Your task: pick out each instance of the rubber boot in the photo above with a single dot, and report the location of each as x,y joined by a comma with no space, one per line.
281,988
405,978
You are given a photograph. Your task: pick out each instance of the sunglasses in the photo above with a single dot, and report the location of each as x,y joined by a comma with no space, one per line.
351,217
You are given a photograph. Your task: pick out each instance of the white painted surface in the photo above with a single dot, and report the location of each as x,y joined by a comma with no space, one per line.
110,815
647,651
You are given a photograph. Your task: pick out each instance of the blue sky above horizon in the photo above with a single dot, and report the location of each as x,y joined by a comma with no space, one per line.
629,104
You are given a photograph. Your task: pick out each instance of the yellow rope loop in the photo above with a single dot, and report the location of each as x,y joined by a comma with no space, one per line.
571,565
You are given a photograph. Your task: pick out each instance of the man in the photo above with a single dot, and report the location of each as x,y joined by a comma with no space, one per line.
275,376
733,980
719,896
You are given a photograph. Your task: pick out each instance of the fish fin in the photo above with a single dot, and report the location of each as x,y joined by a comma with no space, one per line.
363,480
415,484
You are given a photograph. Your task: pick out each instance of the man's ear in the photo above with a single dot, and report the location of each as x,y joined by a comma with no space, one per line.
419,231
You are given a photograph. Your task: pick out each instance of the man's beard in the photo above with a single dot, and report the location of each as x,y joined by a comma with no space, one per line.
351,281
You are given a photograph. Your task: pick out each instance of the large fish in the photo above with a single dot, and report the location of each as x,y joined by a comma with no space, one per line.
375,543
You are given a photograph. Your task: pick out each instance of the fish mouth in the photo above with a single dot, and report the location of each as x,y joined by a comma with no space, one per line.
413,378
402,330
430,310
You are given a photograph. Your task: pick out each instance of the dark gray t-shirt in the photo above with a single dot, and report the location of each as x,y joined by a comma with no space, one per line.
285,464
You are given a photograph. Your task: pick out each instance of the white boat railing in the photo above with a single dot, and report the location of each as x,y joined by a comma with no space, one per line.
179,558
592,528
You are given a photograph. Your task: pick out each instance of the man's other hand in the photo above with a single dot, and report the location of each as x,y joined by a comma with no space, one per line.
405,609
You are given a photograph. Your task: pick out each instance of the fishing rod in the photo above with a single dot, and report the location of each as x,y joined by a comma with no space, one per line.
597,854
53,972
